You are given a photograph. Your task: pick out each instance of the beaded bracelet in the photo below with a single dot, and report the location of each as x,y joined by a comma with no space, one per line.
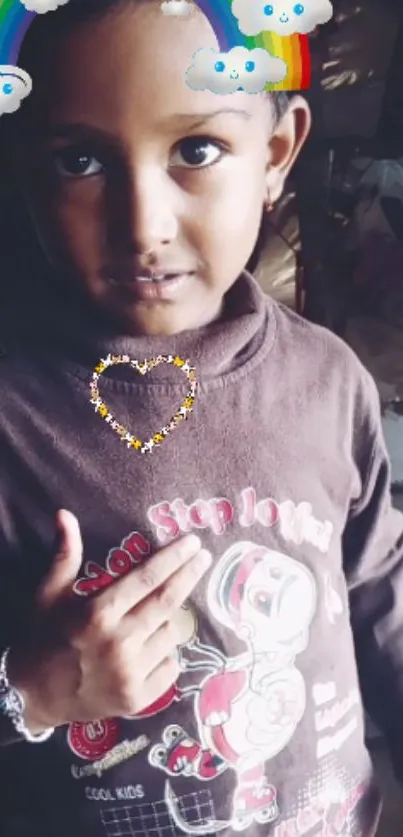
12,706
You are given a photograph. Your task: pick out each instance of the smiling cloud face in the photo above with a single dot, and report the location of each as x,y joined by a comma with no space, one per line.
15,85
239,69
284,17
43,6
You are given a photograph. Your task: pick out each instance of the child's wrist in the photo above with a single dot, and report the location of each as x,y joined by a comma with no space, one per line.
35,716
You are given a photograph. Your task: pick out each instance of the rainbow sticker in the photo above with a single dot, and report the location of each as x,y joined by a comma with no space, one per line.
261,45
15,21
293,50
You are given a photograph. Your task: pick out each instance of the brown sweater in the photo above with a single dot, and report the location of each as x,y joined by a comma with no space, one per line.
282,469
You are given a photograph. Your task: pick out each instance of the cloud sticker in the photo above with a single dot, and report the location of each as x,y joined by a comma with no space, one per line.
43,6
284,17
243,69
15,85
177,8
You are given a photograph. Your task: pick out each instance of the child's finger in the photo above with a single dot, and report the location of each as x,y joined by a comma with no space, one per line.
126,593
66,563
163,603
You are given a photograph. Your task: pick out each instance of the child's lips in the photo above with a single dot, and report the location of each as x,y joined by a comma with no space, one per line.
126,273
156,275
152,284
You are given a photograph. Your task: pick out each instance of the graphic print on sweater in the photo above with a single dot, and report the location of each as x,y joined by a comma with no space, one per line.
243,706
248,707
327,805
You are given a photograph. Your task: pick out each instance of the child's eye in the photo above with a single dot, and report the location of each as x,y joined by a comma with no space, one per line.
197,152
71,162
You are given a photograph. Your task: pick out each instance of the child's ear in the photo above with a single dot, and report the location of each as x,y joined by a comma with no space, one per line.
285,144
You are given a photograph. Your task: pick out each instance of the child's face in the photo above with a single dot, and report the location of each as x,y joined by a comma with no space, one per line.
152,174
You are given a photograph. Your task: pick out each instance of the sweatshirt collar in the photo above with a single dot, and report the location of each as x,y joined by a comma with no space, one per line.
218,351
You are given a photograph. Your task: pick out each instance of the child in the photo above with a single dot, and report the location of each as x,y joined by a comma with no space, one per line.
166,696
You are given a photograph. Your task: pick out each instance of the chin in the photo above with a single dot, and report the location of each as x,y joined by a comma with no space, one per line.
157,329
158,320
156,324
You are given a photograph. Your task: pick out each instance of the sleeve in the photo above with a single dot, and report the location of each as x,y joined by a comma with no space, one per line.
373,565
15,607
18,580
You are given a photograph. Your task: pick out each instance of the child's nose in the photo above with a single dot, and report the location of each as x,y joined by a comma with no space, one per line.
154,212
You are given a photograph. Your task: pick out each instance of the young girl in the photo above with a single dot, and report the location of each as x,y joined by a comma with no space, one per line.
185,658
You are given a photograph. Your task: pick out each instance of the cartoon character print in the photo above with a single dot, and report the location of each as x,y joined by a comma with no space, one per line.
247,707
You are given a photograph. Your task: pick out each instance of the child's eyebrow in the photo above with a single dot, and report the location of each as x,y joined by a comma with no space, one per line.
202,118
77,130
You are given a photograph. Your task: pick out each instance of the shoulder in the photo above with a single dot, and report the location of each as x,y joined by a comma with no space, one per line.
321,356
318,343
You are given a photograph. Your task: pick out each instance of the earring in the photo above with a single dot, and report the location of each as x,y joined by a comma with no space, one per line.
268,205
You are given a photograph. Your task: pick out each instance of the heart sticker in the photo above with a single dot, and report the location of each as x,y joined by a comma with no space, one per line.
143,367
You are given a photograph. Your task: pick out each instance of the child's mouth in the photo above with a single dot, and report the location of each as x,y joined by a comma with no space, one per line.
156,277
151,285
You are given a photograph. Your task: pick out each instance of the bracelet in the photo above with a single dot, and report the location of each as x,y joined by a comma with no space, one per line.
12,706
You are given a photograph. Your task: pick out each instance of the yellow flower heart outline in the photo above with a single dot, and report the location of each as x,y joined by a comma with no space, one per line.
143,367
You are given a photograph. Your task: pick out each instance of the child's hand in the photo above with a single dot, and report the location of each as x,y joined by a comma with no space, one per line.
113,654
